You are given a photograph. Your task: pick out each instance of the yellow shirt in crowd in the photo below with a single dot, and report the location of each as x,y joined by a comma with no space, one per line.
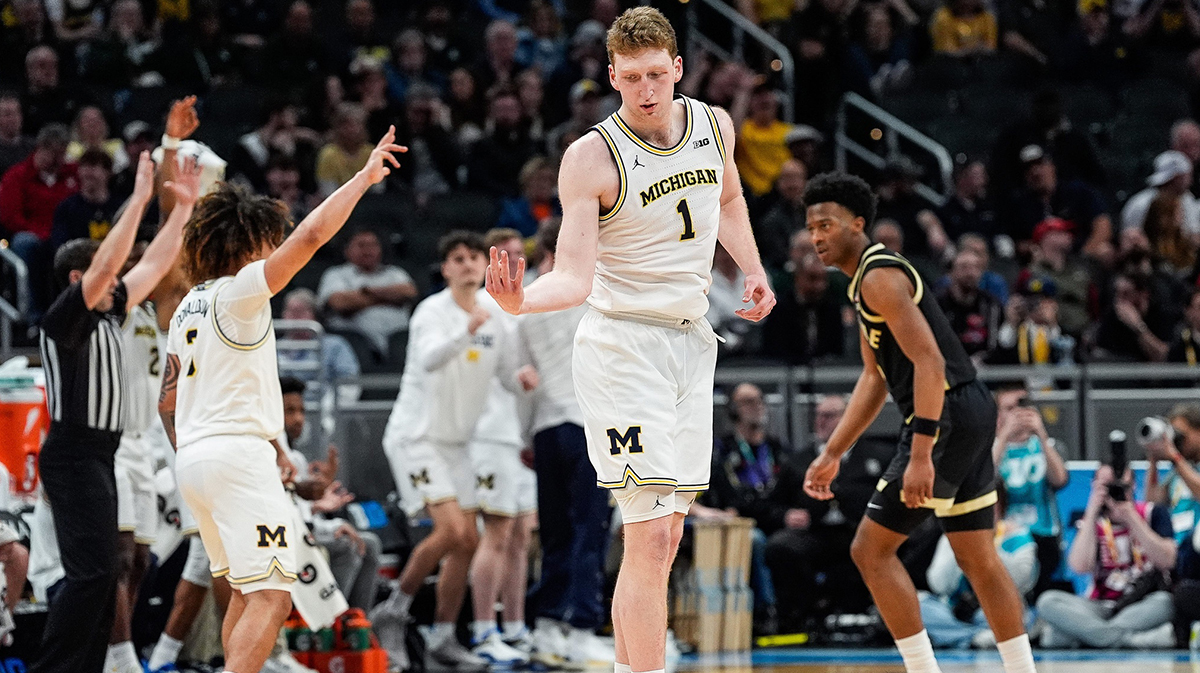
335,166
954,33
761,153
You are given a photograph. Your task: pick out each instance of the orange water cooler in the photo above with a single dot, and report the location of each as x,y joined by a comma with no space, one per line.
24,422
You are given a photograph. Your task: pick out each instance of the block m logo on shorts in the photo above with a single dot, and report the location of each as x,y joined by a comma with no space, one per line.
630,440
266,536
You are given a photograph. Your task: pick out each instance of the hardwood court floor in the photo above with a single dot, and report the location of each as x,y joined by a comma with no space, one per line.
882,661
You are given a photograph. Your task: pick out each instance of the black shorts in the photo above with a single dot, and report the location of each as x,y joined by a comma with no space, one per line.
964,487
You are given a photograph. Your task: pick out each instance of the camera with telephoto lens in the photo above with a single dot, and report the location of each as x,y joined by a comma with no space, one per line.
1153,429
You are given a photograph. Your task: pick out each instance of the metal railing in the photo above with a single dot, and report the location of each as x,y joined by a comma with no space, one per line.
742,29
893,129
10,314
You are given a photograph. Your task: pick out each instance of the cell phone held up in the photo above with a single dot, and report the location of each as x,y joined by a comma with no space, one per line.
1118,461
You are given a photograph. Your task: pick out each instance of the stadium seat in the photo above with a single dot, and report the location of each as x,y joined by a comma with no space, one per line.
397,352
994,105
1157,99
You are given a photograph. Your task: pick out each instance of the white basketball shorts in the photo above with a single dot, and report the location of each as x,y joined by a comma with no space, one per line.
428,473
645,387
137,504
503,485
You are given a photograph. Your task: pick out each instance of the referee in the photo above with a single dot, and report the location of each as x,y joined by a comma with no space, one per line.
81,356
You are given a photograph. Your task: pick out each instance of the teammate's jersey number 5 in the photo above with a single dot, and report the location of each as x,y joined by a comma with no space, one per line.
688,232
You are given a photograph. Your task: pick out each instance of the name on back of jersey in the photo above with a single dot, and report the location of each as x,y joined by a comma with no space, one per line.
192,307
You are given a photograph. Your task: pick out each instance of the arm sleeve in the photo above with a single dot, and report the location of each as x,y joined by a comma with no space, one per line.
68,320
238,306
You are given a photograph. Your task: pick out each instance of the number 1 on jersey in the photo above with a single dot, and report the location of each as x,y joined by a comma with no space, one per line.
688,232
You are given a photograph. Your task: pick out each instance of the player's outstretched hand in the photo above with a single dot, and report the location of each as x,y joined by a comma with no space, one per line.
504,287
377,164
821,473
143,181
759,291
186,185
918,483
182,121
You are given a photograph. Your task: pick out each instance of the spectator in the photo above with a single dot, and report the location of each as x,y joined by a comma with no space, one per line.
1127,547
532,94
1171,25
1034,30
879,58
467,113
497,159
433,158
889,234
46,102
724,299
511,241
1031,333
1048,128
203,56
1133,329
1167,292
1052,259
295,58
537,202
785,217
14,145
75,22
1096,51
340,159
364,294
805,144
745,472
1186,342
970,209
283,183
1032,472
498,64
585,100
445,48
1173,242
899,202
138,138
252,21
29,29
760,149
1180,493
125,53
806,324
820,31
370,92
410,66
541,43
1072,201
1185,139
90,132
361,37
335,361
991,282
90,212
279,134
974,314
1172,176
963,28
950,611
587,59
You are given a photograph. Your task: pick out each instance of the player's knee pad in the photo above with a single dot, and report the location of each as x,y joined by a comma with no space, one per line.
196,568
645,503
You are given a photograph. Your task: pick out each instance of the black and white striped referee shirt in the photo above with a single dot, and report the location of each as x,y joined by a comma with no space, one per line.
81,355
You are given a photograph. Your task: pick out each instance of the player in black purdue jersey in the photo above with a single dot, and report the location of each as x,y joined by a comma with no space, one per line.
944,464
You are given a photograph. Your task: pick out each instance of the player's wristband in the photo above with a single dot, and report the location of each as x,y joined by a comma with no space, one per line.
924,426
170,143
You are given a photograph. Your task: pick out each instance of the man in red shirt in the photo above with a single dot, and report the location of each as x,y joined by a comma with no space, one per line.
29,193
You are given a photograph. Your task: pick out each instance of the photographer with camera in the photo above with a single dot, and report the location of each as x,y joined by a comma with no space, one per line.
1128,547
1177,440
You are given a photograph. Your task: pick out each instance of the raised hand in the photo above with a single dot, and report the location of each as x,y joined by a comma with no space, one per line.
377,164
143,182
507,289
186,185
182,121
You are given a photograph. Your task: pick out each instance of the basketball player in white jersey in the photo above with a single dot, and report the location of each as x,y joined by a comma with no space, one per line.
221,402
645,199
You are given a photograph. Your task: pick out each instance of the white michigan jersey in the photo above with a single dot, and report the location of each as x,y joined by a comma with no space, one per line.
143,368
655,248
229,378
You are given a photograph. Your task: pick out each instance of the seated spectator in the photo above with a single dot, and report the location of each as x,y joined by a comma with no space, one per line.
1173,25
366,295
46,101
974,314
295,57
1132,329
541,42
25,27
806,145
1167,291
537,202
361,36
1096,50
532,94
1053,240
879,60
1167,229
775,229
962,28
14,145
745,471
760,149
77,21
1185,139
1128,548
497,66
283,183
1179,492
138,138
991,282
806,324
1186,343
203,55
340,159
1032,472
511,241
335,361
126,53
433,158
889,233
724,299
1074,202
950,611
585,99
587,58
369,90
280,135
1172,176
468,114
969,209
410,66
1031,333
899,202
90,212
90,132
497,159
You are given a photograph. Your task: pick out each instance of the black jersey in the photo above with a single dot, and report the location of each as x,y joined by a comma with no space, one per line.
894,365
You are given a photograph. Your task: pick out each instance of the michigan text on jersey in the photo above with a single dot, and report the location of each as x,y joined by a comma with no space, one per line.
703,176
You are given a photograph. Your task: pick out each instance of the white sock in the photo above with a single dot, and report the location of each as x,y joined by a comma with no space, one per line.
513,629
480,629
1017,655
440,632
166,651
109,666
657,670
546,624
622,668
123,656
917,653
402,601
